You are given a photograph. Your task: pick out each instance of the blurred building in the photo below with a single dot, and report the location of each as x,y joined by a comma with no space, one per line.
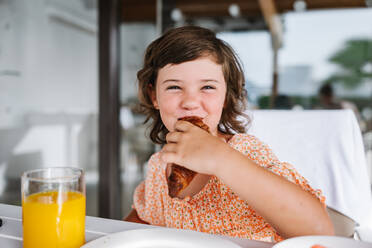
297,80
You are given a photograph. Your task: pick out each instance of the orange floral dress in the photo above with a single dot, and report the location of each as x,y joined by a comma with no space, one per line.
215,209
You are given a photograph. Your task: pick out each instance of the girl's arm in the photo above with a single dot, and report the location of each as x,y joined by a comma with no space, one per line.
133,217
285,205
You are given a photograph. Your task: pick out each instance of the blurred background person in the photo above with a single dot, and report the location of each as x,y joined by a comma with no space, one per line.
327,100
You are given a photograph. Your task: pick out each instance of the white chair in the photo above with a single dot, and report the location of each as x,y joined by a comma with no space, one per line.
326,147
343,225
367,138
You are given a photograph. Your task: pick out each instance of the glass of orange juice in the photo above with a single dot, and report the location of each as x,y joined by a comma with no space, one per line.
53,208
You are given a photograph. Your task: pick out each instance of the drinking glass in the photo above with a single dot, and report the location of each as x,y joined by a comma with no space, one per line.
53,207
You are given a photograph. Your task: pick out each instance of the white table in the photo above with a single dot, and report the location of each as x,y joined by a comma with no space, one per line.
11,230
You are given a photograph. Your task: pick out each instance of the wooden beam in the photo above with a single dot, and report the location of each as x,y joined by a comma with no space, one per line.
275,78
138,11
145,10
109,109
272,20
287,5
218,9
276,30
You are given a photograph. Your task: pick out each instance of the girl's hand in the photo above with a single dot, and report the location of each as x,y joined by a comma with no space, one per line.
194,148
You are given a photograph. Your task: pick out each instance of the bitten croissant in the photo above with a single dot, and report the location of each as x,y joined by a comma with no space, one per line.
180,177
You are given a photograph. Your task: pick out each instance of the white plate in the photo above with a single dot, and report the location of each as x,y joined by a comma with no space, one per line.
326,241
160,238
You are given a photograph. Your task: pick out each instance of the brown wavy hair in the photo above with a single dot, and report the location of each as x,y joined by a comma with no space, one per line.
184,44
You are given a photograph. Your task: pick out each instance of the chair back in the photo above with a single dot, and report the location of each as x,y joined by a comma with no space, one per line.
326,147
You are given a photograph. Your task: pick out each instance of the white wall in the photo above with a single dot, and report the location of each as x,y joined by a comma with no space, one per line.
48,83
49,103
56,60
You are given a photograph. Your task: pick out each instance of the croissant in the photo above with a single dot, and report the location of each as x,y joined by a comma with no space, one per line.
180,177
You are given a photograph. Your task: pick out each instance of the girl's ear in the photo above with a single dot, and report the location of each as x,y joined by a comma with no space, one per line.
152,94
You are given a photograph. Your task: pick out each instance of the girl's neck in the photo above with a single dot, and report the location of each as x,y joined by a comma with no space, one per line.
224,136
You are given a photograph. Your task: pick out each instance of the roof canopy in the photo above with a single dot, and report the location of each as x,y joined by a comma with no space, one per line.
145,10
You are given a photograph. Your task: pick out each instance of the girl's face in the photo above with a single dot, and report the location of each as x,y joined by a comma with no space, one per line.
193,88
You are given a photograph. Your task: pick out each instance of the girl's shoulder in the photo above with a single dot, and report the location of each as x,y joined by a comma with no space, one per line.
244,139
250,144
155,163
155,157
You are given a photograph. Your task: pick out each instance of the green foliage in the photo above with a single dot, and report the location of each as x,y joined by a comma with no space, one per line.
264,102
311,101
351,59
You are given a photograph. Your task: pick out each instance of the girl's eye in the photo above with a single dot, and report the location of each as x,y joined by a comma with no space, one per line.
208,87
173,87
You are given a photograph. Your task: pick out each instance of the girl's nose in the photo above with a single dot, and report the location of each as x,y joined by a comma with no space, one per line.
190,102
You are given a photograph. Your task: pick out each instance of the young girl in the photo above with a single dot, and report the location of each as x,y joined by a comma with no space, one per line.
241,189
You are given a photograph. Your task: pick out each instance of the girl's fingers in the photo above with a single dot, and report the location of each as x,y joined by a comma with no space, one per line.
173,137
170,147
182,126
169,157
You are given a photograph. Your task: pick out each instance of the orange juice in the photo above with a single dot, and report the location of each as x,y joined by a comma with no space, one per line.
54,219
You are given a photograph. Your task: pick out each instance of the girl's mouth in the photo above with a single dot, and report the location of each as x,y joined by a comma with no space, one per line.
179,118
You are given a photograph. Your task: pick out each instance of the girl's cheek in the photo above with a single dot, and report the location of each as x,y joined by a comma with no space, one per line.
169,105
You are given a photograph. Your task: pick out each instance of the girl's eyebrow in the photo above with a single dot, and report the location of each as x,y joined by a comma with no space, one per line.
210,80
171,81
207,80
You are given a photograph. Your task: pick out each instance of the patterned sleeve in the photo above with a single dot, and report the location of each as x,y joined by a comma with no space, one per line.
261,154
147,198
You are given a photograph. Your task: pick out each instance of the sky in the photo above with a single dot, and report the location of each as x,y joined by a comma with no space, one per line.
310,38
